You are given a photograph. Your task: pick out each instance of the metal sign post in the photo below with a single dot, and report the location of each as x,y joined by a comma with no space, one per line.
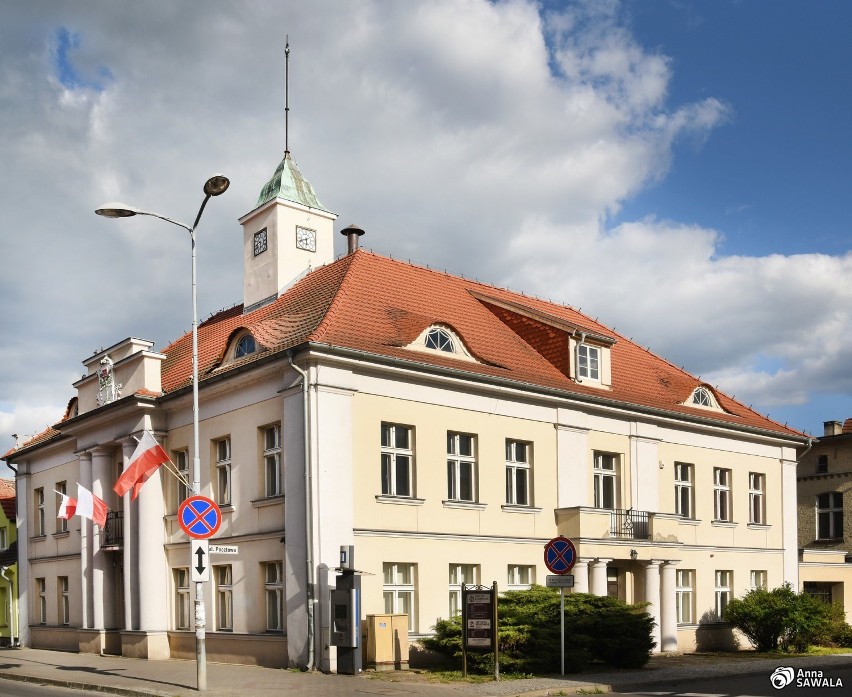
480,622
560,555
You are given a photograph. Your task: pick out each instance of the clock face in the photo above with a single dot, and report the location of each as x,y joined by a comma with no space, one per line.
306,239
260,242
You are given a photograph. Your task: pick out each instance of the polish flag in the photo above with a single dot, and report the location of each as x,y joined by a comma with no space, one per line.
147,457
90,506
67,508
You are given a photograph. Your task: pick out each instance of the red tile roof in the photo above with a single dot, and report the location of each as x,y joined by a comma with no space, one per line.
7,498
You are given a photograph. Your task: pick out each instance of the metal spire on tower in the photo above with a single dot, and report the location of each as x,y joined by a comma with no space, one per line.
287,96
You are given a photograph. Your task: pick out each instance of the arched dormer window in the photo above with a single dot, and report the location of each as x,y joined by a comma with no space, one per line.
245,346
441,339
703,398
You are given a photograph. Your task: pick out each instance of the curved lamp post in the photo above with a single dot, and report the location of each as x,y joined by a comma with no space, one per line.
216,185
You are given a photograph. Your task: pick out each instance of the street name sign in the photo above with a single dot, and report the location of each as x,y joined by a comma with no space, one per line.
224,549
565,581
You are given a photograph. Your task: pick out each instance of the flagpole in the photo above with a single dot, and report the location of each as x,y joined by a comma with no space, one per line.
216,185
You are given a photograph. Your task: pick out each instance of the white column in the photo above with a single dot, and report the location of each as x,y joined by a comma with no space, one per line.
652,596
131,573
153,567
597,574
668,607
581,576
23,493
789,522
102,594
86,544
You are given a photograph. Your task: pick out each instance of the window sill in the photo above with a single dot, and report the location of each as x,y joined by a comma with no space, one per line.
470,505
689,521
723,524
402,500
759,526
38,538
61,534
512,508
226,507
268,501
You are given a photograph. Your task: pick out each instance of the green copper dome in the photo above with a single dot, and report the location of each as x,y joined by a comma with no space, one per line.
288,183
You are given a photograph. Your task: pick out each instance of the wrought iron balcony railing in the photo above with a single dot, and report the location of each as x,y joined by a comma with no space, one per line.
630,524
113,533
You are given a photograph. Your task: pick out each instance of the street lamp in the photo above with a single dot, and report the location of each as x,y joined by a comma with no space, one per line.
216,185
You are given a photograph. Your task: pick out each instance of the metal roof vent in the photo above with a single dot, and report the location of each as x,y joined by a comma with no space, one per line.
351,233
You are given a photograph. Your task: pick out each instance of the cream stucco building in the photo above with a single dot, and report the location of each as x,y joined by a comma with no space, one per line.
445,428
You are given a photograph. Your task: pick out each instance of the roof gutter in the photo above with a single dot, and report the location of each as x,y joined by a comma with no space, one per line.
309,511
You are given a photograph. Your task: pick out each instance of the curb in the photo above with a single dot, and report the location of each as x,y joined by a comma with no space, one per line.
74,685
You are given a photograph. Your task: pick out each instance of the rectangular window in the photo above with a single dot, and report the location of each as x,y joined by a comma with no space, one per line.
272,460
224,598
723,593
606,480
182,603
38,512
41,599
820,590
61,523
757,579
398,591
459,574
684,480
4,540
4,607
273,586
461,467
685,595
722,494
64,602
822,464
588,361
520,577
397,460
756,498
830,516
181,459
223,472
518,459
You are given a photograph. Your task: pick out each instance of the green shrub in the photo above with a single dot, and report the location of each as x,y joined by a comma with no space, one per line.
596,628
781,618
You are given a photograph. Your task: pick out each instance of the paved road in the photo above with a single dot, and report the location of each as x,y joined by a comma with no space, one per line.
760,685
13,688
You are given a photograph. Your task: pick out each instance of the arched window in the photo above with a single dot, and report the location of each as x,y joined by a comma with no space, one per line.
245,346
440,340
702,398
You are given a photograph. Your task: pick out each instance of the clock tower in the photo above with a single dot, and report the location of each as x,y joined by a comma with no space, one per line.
288,233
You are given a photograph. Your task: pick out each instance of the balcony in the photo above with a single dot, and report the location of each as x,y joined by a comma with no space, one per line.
630,524
604,523
112,535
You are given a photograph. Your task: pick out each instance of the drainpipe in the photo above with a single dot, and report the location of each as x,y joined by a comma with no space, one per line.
12,618
309,512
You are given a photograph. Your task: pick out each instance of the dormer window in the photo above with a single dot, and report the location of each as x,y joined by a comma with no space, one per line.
588,362
245,346
441,339
703,398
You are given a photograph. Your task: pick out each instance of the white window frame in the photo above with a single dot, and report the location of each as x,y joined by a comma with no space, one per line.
183,616
684,474
460,574
724,581
41,599
518,471
459,464
273,587
400,590
520,577
61,523
685,595
439,339
722,498
757,498
272,460
3,538
833,513
757,579
182,491
588,362
397,458
38,498
606,480
224,577
64,600
224,494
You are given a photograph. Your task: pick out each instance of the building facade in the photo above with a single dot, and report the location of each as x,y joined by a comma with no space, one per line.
447,429
825,516
8,565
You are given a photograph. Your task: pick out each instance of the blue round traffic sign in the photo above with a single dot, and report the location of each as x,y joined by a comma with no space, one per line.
199,517
560,555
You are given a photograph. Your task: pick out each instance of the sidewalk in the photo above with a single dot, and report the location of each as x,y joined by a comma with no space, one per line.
173,678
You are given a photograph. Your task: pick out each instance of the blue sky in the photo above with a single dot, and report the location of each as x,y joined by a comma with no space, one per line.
678,169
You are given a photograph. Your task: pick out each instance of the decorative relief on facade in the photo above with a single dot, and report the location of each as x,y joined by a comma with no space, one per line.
108,389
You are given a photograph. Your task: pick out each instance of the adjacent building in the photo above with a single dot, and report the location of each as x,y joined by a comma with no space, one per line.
8,565
825,516
445,428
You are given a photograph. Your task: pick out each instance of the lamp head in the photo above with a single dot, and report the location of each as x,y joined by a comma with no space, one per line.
116,210
217,184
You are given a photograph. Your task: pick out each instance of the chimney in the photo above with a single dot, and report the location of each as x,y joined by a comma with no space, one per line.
351,233
831,428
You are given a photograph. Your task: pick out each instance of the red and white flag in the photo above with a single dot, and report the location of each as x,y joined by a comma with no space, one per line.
90,506
147,457
67,508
